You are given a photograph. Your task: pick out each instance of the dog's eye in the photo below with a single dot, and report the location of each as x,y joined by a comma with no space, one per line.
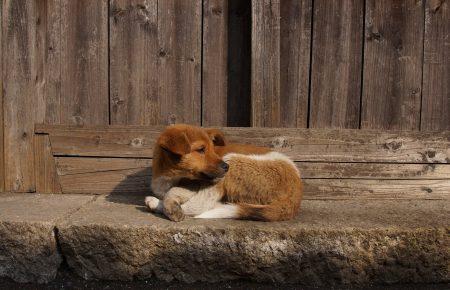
201,150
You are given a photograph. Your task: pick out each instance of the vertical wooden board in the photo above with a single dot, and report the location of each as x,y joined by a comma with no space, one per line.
436,67
239,63
265,88
133,62
179,64
336,64
295,61
45,168
84,62
47,59
20,82
214,66
2,156
392,64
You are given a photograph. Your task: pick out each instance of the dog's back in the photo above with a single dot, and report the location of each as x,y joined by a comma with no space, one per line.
264,187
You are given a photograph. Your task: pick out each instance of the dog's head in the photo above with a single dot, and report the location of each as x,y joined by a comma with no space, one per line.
188,152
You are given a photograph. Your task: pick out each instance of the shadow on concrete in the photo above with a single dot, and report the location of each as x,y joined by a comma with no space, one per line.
133,189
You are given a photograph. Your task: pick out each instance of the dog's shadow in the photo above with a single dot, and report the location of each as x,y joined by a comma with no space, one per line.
133,189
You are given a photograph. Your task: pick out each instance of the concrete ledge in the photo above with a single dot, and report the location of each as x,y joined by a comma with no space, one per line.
28,245
331,242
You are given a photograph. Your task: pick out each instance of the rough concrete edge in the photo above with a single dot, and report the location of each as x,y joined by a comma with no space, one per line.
62,219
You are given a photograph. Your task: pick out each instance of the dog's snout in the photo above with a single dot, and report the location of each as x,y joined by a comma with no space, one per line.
224,166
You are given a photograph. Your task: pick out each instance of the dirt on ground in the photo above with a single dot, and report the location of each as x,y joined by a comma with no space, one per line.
67,280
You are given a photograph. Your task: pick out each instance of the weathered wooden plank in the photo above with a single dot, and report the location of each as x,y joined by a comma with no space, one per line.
179,38
106,175
19,86
214,77
336,64
376,189
325,145
239,63
124,181
48,62
265,87
133,62
392,64
85,165
309,170
45,168
323,170
106,145
84,62
2,157
295,37
436,67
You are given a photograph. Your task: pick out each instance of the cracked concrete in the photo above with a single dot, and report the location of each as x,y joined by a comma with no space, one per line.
331,242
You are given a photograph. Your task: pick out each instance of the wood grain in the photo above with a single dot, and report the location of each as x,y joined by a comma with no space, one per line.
133,62
324,145
125,175
214,66
84,62
2,156
179,66
48,62
395,171
295,37
309,170
20,82
376,189
392,64
45,169
265,89
336,64
436,67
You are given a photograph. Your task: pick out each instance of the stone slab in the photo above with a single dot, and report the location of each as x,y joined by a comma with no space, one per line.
331,242
28,246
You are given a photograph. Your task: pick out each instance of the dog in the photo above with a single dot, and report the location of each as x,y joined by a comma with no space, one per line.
197,173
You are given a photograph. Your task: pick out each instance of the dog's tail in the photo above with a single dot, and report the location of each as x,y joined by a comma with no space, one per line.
277,211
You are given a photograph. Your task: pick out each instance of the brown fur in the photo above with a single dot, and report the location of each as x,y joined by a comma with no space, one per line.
265,190
268,190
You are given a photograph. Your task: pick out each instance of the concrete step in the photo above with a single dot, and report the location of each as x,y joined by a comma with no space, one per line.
331,242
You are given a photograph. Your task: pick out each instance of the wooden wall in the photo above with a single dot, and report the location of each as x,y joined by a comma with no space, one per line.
370,64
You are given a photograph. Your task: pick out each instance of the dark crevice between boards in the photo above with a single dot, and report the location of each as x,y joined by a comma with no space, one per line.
239,63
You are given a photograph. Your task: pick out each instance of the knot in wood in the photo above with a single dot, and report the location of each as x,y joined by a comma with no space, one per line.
279,142
216,10
430,153
393,145
137,142
172,119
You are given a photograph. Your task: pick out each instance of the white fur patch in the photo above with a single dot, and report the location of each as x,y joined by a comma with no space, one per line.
154,204
222,211
271,156
205,199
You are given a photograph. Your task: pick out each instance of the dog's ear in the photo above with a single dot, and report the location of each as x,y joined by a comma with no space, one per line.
216,136
175,141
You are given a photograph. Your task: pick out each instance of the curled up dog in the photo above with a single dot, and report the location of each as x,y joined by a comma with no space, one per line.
197,173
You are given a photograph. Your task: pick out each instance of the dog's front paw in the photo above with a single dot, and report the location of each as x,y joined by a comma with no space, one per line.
152,203
173,211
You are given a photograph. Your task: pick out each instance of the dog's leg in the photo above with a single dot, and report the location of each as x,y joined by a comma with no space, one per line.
154,204
171,205
205,199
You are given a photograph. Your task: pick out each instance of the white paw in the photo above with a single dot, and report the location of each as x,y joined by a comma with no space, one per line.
152,202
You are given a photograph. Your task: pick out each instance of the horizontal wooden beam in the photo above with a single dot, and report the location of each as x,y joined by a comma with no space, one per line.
322,180
322,145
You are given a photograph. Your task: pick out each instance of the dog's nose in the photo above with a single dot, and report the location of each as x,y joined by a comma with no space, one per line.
224,166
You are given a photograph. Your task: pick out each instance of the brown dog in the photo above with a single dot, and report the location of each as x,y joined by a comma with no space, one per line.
189,175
